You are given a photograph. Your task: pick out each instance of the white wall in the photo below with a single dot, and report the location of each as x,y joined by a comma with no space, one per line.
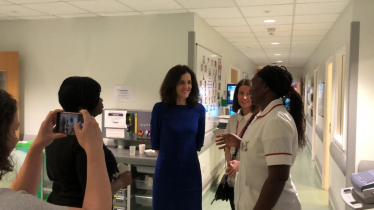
136,51
231,56
363,12
337,37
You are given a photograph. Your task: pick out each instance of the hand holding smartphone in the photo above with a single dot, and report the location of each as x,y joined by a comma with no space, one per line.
66,121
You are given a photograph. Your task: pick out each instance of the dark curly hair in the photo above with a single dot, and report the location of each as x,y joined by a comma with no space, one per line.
168,88
79,93
8,108
279,80
235,104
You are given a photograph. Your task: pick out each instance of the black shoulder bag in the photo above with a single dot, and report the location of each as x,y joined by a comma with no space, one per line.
222,192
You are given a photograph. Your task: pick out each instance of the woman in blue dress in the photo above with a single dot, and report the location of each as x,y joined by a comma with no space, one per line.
177,133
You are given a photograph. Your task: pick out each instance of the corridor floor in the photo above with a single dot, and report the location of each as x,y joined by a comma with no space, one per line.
304,176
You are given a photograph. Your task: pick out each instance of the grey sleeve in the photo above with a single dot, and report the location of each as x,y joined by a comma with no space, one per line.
11,200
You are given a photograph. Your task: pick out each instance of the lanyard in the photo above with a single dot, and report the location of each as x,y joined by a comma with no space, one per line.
237,125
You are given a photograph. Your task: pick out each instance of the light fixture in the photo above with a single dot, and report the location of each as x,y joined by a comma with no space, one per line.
277,54
275,43
269,21
279,61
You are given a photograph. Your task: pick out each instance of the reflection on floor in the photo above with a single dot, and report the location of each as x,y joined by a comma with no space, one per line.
304,176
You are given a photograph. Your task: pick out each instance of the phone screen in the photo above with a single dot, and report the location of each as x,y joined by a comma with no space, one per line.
66,121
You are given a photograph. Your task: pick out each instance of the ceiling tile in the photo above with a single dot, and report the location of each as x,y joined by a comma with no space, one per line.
165,12
278,20
38,17
102,6
307,38
8,18
320,8
226,22
282,43
58,8
18,11
77,15
305,42
277,28
316,26
322,18
274,39
244,39
279,33
237,35
194,4
275,10
310,33
109,14
4,2
31,1
233,29
262,2
267,45
144,5
311,1
231,12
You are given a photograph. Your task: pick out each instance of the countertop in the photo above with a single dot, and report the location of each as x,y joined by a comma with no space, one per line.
123,156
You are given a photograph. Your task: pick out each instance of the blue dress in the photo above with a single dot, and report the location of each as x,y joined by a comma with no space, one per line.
178,133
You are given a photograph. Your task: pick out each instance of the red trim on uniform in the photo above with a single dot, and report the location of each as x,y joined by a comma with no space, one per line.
278,154
269,111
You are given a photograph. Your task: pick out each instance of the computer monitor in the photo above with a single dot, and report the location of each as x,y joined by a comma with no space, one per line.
230,93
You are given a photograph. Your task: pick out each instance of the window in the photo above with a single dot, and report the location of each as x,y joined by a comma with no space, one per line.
339,100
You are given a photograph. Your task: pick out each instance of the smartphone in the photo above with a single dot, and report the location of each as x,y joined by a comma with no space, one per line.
66,121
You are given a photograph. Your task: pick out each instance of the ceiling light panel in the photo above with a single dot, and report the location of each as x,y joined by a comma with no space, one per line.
233,29
262,2
18,11
195,4
226,22
231,12
145,5
311,27
310,33
275,10
278,28
320,8
259,21
274,39
165,12
102,6
58,8
321,18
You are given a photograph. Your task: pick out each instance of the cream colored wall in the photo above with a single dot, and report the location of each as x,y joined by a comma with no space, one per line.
211,39
132,51
363,12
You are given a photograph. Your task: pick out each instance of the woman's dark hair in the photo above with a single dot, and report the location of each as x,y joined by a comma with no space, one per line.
8,109
235,104
79,93
168,88
279,80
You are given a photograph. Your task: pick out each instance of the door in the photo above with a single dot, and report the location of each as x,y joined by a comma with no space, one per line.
327,126
9,74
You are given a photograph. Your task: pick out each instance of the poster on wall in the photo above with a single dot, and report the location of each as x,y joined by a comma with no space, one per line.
208,75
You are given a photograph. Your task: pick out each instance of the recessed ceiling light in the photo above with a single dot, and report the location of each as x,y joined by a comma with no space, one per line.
279,61
275,43
269,21
277,54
